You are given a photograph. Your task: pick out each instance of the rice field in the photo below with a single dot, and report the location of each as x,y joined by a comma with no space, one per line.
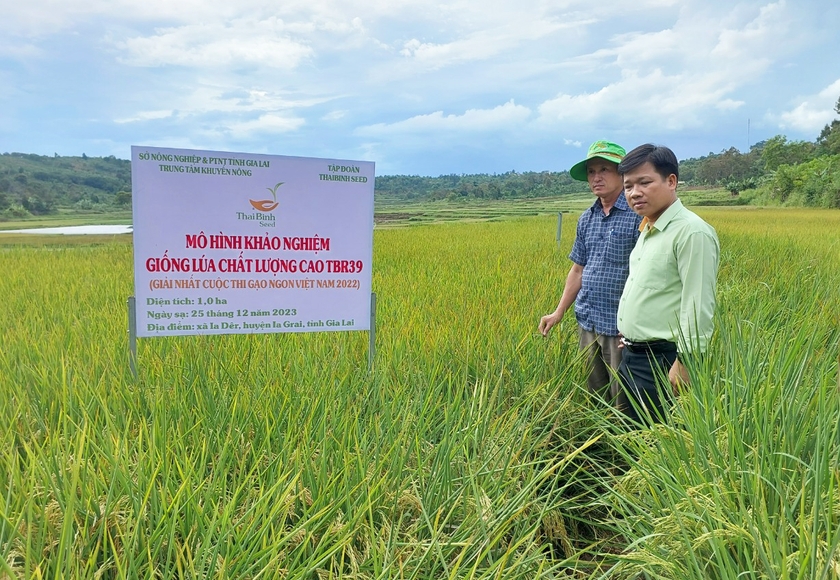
470,451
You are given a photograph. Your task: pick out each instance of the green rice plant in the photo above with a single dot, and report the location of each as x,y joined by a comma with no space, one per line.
471,451
279,455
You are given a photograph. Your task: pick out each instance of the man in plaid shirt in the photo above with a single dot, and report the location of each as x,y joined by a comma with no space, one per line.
605,236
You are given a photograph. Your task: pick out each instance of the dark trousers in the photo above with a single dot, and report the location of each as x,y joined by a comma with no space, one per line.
646,392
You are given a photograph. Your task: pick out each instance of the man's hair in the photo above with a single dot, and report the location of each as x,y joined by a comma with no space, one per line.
663,160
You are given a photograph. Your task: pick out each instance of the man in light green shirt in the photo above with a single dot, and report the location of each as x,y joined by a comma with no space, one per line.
668,303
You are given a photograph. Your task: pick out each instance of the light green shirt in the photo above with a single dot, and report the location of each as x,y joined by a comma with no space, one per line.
670,292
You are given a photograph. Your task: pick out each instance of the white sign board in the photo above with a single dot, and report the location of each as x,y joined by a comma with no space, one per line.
236,243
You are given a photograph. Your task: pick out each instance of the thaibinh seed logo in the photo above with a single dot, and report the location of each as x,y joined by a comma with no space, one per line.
264,207
267,204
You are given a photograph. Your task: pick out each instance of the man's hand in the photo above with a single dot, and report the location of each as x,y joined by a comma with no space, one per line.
570,292
548,321
678,375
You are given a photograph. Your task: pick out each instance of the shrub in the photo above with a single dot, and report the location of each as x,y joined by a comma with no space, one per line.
814,183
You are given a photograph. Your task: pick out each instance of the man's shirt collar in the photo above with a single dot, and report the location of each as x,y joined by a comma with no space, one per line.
620,204
662,221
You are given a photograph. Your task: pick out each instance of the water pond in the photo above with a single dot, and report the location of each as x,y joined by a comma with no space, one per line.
75,230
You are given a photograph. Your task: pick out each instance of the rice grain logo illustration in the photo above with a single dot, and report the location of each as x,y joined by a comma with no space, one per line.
267,204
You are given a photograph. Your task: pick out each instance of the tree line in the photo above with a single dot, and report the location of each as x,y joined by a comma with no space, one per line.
509,185
776,171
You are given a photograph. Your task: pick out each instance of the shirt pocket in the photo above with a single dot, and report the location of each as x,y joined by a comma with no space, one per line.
620,242
656,270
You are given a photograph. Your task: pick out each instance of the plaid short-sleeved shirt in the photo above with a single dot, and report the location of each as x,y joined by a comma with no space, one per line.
602,246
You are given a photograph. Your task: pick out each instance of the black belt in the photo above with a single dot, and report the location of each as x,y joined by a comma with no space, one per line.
652,346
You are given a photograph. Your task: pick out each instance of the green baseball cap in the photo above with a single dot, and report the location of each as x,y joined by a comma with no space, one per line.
604,150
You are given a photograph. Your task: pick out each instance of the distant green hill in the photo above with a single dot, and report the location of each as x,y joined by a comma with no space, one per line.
39,184
774,172
482,186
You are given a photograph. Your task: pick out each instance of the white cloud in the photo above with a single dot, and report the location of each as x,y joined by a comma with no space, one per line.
473,120
206,99
484,43
758,39
652,99
269,124
674,77
334,115
146,116
241,42
42,17
813,112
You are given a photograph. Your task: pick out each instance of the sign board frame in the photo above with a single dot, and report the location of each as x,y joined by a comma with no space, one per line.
244,243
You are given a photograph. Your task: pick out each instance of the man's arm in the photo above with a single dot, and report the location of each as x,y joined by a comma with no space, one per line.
570,292
697,261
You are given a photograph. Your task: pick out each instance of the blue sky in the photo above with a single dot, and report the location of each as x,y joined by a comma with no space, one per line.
418,87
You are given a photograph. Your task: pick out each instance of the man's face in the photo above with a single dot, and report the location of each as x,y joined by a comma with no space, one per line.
603,178
648,193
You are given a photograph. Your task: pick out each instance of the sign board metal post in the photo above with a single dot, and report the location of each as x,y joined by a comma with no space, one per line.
132,336
372,332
